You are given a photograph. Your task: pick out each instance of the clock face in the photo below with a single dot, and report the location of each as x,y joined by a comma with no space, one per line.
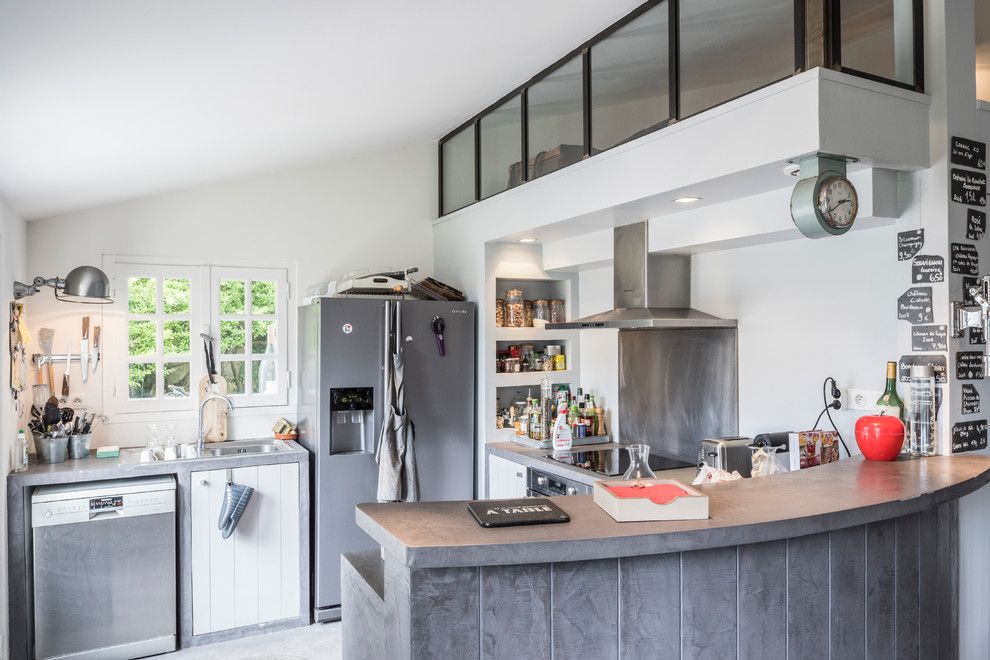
837,201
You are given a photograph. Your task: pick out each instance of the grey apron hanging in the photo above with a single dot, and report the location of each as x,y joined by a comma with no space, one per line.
398,480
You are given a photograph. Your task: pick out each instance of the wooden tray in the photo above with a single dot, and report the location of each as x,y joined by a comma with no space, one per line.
692,505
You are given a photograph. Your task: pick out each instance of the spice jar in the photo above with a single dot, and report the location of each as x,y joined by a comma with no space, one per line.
559,363
499,312
528,313
557,311
541,310
514,312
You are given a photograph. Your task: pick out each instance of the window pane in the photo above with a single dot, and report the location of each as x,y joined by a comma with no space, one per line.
263,378
878,38
458,170
176,337
501,147
141,381
262,337
983,50
630,80
556,120
175,296
231,296
232,338
233,372
262,297
140,338
176,379
731,48
141,295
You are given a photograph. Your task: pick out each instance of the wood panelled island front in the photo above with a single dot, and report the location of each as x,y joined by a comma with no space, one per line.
854,559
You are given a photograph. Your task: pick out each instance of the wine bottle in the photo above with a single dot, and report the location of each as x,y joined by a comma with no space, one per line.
889,402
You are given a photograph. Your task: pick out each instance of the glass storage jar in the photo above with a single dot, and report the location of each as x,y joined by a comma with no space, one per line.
557,311
528,313
514,312
499,312
541,310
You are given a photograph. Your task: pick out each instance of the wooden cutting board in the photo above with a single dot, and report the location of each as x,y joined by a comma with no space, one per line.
215,413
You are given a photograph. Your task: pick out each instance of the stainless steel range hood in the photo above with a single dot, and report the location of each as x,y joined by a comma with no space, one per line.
651,291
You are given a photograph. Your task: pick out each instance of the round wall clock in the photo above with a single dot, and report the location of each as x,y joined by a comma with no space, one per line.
824,205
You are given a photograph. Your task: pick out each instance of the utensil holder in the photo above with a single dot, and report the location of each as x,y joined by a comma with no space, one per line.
51,450
79,445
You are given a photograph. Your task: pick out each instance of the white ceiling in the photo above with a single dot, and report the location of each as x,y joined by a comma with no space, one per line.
104,100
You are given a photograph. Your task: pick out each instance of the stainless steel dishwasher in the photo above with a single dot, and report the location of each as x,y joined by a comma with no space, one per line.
104,569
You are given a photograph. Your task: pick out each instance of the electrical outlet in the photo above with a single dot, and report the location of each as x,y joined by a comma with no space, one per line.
854,399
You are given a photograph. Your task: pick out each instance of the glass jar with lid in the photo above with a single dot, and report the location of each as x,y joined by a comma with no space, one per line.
541,309
557,311
527,313
499,312
514,309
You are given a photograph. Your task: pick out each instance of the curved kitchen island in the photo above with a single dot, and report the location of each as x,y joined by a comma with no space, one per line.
852,559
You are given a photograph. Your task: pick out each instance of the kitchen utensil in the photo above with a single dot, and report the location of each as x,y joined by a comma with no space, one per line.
211,365
67,415
880,437
84,349
215,411
51,415
46,337
68,369
51,450
438,325
97,331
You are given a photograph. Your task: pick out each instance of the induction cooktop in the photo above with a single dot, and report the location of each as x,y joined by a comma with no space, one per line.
614,462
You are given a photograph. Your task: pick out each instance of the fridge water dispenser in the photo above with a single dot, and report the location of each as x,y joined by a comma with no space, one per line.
352,415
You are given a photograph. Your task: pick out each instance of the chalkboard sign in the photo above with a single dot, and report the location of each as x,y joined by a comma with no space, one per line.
909,243
969,365
964,260
976,224
970,400
967,284
969,187
508,513
968,152
915,305
968,436
927,268
926,338
935,361
976,337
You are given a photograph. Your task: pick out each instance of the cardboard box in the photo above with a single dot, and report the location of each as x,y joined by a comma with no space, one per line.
811,448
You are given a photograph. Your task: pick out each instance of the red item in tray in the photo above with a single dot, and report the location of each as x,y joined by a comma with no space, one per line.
657,493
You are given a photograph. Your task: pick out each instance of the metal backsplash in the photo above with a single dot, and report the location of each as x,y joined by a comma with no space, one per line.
677,387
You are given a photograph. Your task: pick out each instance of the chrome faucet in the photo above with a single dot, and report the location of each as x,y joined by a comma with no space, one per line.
201,435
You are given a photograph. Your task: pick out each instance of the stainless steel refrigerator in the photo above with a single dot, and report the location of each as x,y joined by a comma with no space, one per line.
342,346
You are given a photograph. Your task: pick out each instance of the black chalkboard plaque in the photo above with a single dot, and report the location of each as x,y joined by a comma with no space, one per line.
915,305
969,188
969,365
927,268
976,337
969,436
976,224
935,361
970,153
927,338
964,259
970,399
909,243
507,513
967,284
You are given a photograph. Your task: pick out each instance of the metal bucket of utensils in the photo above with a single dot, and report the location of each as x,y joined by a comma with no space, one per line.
79,445
51,450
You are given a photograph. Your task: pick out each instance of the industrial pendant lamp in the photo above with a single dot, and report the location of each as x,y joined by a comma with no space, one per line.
83,284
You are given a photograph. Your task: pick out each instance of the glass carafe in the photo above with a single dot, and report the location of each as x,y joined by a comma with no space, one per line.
639,463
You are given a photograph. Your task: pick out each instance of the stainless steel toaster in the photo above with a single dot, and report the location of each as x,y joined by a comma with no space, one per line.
727,454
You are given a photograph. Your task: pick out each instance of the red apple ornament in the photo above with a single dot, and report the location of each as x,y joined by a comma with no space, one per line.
880,437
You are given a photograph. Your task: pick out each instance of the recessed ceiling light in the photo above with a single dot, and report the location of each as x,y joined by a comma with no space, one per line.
687,200
527,240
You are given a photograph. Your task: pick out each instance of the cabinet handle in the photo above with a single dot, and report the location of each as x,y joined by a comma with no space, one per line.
204,482
519,474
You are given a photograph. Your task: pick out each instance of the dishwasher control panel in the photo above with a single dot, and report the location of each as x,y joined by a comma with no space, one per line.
61,512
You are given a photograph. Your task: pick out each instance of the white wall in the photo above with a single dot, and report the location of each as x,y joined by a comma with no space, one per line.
12,255
319,221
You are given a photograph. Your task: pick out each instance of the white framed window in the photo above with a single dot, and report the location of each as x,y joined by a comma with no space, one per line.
152,339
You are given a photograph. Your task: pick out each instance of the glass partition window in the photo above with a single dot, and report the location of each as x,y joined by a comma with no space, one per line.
555,114
728,49
877,38
501,147
458,170
983,50
630,80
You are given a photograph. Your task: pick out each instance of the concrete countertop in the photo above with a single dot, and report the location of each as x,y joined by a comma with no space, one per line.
844,494
93,468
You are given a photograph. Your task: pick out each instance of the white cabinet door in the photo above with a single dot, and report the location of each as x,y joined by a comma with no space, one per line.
252,576
506,479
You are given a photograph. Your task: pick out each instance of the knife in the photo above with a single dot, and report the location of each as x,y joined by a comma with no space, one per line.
96,347
68,368
84,349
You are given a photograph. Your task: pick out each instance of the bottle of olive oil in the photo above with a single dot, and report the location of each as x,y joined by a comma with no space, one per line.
889,403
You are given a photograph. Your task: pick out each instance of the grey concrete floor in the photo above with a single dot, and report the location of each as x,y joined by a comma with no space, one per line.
320,641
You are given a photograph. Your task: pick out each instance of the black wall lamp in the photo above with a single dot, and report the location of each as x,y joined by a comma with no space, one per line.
83,284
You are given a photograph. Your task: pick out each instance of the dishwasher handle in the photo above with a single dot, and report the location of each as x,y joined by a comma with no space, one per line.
103,515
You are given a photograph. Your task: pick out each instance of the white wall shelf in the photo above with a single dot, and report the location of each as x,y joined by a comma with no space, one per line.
533,334
533,378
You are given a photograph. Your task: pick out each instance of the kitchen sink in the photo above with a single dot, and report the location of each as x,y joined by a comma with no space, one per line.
213,450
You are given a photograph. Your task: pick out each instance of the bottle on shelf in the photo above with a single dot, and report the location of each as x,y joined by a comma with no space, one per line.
20,452
889,402
562,438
